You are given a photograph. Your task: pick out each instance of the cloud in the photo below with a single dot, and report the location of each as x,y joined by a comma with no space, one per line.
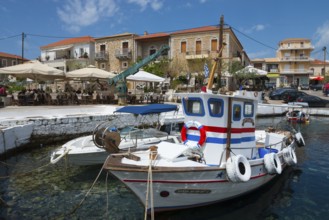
203,1
82,13
322,35
154,4
255,28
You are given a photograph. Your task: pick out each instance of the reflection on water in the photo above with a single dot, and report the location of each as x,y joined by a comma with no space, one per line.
53,192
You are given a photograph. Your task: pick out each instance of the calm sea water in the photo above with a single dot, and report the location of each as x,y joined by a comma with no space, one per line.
32,189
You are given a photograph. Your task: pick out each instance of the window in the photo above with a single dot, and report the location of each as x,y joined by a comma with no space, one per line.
81,52
236,112
124,65
193,106
214,45
216,107
102,48
152,50
125,46
4,62
248,109
198,47
13,62
103,66
183,47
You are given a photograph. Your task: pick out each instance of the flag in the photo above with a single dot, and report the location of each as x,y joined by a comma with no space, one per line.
206,70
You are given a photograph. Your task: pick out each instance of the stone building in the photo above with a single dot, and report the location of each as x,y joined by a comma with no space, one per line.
189,49
115,53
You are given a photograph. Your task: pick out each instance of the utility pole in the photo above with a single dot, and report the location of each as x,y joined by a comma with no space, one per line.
324,60
23,36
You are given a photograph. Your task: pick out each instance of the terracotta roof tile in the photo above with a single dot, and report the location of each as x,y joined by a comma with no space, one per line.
199,29
8,55
149,36
84,39
318,62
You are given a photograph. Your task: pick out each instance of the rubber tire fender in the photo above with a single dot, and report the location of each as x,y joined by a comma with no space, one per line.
238,169
289,156
272,163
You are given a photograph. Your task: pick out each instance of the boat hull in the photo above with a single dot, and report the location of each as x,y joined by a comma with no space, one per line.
179,189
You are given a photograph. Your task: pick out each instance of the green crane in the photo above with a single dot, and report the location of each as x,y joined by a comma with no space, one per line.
120,80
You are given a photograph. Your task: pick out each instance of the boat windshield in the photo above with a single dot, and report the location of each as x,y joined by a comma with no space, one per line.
135,133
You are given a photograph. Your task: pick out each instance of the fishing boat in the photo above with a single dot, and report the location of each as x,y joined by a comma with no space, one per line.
135,133
221,156
298,112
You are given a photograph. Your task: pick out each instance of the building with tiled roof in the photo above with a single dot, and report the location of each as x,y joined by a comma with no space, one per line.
69,54
69,42
292,65
318,67
7,59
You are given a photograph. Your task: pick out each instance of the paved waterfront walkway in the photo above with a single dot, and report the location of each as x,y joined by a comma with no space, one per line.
23,112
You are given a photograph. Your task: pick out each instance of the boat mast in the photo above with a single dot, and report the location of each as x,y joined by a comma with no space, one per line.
229,127
217,59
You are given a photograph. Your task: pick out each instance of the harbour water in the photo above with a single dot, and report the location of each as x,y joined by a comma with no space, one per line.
30,188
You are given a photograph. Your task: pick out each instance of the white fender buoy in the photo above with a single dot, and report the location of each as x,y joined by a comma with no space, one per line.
299,139
289,156
238,169
272,163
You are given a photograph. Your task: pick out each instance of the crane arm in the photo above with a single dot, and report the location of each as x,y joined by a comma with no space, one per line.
134,69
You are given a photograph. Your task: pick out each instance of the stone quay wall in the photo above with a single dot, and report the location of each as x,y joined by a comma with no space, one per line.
36,131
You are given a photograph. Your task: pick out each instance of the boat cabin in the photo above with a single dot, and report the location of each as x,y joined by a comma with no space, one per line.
217,122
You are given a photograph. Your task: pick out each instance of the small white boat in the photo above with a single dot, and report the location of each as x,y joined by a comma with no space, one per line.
90,149
222,155
298,112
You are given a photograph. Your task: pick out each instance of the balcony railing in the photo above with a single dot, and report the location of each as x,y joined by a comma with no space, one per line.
197,54
123,54
102,55
300,58
295,47
296,71
273,70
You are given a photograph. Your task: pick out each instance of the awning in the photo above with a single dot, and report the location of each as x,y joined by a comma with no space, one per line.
61,48
273,75
317,77
148,109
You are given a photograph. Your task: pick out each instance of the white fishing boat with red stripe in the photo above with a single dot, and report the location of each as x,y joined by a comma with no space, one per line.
222,155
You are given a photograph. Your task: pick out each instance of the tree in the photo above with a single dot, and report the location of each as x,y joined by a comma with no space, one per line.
240,75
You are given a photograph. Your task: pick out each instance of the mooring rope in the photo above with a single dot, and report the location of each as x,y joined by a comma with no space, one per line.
107,195
88,192
149,187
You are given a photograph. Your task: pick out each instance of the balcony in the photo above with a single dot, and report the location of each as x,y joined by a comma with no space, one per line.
295,59
190,55
101,56
273,70
296,71
295,47
124,54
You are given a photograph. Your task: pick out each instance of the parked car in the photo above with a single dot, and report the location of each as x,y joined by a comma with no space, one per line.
316,87
304,86
269,85
313,101
277,94
325,89
291,95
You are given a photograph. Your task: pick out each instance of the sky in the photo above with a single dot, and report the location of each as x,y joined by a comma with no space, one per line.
259,24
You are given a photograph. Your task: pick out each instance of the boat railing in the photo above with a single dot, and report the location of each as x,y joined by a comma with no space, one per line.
269,146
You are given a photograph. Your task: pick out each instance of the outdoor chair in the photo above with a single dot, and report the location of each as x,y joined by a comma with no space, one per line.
15,100
54,100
